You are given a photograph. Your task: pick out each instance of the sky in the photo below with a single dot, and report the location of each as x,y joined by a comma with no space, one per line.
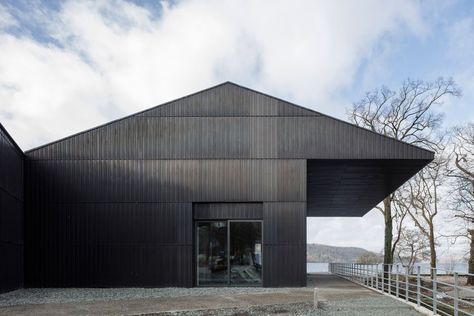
72,65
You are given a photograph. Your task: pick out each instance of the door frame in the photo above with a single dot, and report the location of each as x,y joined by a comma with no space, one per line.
228,222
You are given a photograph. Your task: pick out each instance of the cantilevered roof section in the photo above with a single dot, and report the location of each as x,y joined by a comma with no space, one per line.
341,187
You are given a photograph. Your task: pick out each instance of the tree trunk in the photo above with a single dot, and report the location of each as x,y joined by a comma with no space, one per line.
432,250
470,279
388,254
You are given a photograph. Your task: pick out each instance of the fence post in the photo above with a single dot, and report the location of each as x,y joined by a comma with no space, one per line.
456,294
397,281
377,276
383,278
389,283
435,305
372,275
358,273
407,288
418,286
316,298
366,275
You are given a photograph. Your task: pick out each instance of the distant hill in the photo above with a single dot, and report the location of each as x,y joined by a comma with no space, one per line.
325,253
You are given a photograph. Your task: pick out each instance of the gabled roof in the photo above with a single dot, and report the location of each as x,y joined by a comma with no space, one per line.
206,116
228,99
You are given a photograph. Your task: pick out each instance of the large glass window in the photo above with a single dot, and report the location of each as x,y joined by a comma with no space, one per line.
212,253
246,253
229,253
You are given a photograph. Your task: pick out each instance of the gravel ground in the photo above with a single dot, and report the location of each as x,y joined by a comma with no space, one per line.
64,295
339,297
366,307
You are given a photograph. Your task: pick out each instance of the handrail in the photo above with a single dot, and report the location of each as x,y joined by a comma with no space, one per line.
399,281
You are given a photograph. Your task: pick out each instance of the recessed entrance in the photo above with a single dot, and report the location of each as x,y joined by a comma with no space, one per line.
229,253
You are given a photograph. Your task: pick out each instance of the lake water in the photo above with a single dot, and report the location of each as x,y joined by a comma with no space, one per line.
318,267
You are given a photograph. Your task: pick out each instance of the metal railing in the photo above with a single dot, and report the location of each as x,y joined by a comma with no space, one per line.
442,293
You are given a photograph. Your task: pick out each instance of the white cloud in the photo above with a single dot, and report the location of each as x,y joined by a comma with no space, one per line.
116,58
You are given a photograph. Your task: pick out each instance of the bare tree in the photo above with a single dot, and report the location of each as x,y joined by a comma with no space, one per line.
407,115
413,247
424,199
400,208
369,258
462,186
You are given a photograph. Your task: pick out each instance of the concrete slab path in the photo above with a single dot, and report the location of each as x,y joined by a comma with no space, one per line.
330,288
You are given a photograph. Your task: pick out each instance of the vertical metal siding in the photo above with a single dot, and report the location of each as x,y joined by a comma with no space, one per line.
86,214
213,211
85,181
284,243
110,244
312,137
11,213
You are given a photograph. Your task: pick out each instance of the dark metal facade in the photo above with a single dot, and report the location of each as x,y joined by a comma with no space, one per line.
223,211
115,205
11,213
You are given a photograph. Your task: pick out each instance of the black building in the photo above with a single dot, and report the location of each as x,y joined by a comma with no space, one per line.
11,213
210,189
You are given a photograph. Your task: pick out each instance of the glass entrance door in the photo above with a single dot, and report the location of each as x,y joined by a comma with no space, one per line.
212,261
229,253
245,253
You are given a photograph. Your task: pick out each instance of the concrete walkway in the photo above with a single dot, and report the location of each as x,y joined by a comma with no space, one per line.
331,289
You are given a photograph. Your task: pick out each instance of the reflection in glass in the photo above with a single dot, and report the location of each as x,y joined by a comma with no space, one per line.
212,253
245,253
